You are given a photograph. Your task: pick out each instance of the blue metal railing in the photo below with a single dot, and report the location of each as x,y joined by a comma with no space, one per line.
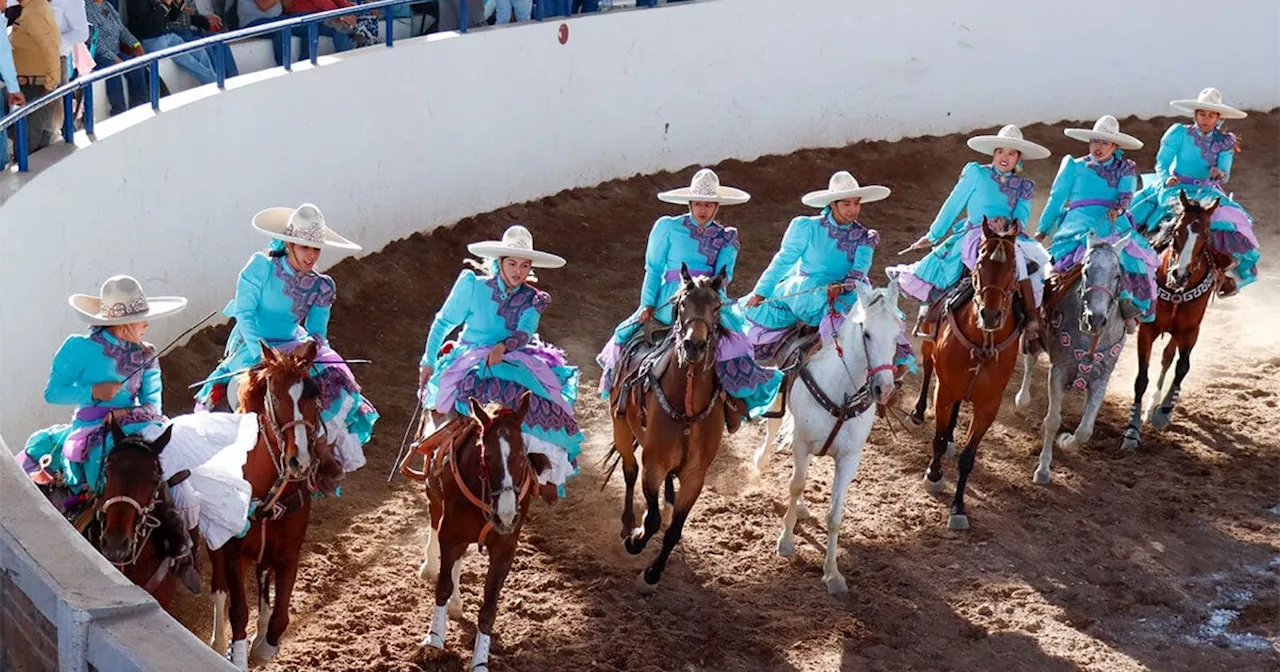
151,61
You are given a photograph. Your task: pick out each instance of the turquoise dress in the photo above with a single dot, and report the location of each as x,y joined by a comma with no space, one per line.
490,313
706,251
278,305
816,251
956,233
77,450
1083,192
1187,154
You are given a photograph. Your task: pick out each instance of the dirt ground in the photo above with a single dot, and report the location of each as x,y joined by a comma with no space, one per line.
1164,559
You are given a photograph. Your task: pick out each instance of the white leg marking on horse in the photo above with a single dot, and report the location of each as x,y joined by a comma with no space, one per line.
240,654
300,429
219,640
1052,422
1023,398
480,657
846,469
507,500
795,499
439,627
264,617
430,566
455,600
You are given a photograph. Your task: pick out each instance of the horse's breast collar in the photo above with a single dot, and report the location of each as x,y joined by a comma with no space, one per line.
1192,294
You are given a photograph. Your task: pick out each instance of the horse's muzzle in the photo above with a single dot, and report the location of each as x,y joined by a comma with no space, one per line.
1092,323
693,351
117,548
990,319
502,528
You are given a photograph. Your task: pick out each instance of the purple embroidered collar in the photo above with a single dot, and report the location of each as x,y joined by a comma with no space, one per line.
305,290
510,305
1211,144
129,357
848,238
711,239
1013,187
1112,171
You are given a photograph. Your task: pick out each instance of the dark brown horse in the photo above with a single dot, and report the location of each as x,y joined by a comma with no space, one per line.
675,413
130,528
974,357
480,482
1188,276
283,471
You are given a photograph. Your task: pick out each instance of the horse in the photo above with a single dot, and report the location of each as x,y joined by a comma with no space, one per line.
130,530
973,359
1086,335
674,412
1188,277
480,483
283,472
856,367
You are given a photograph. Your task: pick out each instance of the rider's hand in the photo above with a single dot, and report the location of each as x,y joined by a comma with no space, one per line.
1172,181
424,373
106,391
1113,213
646,314
834,290
495,355
1216,174
754,300
923,244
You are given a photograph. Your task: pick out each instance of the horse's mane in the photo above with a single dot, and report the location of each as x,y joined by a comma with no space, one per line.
253,393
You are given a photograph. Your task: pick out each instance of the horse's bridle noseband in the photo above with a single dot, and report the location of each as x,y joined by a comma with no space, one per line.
146,521
1006,293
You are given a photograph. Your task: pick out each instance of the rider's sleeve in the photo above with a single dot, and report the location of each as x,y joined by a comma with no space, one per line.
1227,157
956,202
727,259
454,312
863,257
1128,184
528,325
1022,210
65,388
655,263
1056,207
249,297
1168,151
151,392
317,322
793,244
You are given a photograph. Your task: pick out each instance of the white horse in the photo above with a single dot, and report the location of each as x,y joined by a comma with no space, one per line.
853,377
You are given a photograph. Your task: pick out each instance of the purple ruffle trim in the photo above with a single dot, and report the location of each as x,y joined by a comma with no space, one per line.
741,375
537,360
82,440
543,413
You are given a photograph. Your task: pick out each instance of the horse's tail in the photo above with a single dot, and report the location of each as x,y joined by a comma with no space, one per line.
786,431
608,474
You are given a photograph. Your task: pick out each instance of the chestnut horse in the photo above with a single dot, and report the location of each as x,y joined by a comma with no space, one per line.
974,356
1188,277
282,472
129,532
480,482
677,419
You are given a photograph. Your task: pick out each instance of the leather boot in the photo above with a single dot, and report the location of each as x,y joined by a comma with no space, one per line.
735,411
1031,336
1228,288
186,566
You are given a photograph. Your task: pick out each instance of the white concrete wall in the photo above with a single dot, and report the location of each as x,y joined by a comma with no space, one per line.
392,141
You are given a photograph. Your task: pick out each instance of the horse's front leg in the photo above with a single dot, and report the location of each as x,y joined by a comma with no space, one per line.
691,480
451,552
501,557
238,609
1166,360
1052,422
1092,404
1023,398
983,416
846,468
1161,415
799,472
286,575
946,412
654,476
926,374
1133,433
761,458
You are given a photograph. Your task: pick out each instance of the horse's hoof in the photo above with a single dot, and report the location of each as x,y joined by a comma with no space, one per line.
1160,417
934,487
836,585
632,543
1022,400
643,586
1132,440
261,651
802,511
786,546
1041,477
916,419
958,521
951,449
1066,441
426,572
240,654
455,609
432,641
667,512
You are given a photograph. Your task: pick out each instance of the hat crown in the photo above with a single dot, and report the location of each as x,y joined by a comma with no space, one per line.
1107,124
1010,131
518,238
306,222
122,296
1211,96
842,181
705,183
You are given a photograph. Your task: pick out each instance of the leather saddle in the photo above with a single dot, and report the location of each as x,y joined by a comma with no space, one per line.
796,346
647,354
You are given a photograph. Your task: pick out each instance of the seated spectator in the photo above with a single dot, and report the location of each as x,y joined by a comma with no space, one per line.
73,26
115,44
341,30
451,14
10,93
190,25
149,22
36,42
502,12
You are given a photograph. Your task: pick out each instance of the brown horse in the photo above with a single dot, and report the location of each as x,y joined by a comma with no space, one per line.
675,413
131,531
282,470
974,358
480,482
1188,277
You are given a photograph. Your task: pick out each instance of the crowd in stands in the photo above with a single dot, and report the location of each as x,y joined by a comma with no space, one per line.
45,43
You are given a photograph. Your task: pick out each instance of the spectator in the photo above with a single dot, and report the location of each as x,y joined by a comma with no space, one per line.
73,28
258,12
451,14
36,42
188,24
113,39
11,96
149,21
522,8
340,30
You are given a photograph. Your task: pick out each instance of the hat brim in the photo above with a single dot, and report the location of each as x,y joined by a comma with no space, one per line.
1122,140
824,197
987,144
90,307
272,222
494,249
1190,107
724,196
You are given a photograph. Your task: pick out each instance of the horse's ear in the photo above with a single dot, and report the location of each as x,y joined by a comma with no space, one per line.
477,411
1182,196
718,282
865,292
891,294
986,227
684,273
1216,202
522,407
1090,240
161,441
268,353
307,353
1120,244
117,434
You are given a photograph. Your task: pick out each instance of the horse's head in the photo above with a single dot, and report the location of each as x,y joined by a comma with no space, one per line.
995,275
1188,236
504,464
1099,282
131,490
286,397
697,315
877,313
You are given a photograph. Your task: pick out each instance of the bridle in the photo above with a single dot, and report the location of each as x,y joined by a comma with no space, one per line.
689,418
1005,293
1197,258
146,521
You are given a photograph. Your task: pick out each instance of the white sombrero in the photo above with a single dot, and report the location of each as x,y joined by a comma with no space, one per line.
122,301
303,225
516,242
1009,137
843,186
705,187
1106,128
1209,99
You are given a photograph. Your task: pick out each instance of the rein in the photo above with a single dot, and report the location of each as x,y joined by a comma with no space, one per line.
482,503
989,350
687,416
274,509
